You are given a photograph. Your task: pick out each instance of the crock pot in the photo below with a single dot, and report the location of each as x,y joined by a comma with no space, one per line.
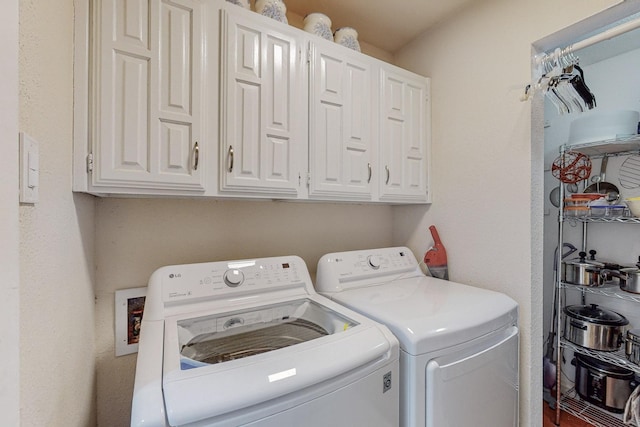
594,327
603,384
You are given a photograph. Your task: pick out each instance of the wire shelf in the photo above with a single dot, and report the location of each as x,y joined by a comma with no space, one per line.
617,358
622,145
618,219
611,290
574,405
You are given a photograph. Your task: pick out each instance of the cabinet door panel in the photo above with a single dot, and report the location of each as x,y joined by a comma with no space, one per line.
247,55
175,140
247,132
176,45
149,95
132,23
404,139
129,140
261,125
340,154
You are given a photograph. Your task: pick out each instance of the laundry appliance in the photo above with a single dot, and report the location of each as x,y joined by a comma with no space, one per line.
250,343
458,343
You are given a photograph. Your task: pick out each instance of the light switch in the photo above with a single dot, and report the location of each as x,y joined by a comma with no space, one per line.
29,169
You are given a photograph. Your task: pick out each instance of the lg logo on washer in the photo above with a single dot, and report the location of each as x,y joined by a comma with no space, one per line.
386,382
176,275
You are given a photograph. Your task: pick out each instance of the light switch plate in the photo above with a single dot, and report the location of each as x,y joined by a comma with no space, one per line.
29,169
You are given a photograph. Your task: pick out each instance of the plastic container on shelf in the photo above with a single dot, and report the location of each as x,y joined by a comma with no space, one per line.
603,125
576,211
634,206
598,211
615,211
576,202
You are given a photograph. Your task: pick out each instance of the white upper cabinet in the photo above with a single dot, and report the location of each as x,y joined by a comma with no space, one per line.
263,114
341,147
147,130
404,136
204,98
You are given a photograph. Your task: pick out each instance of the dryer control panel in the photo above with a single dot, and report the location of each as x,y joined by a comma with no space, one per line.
343,270
231,278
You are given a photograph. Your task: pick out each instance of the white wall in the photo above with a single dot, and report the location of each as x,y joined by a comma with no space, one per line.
9,250
487,172
56,235
135,237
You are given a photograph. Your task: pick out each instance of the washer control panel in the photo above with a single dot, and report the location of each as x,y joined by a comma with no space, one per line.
342,270
231,278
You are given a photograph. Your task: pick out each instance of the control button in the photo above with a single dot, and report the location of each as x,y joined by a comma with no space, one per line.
233,278
374,261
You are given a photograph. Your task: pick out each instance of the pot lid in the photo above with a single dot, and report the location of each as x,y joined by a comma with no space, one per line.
588,264
594,314
603,367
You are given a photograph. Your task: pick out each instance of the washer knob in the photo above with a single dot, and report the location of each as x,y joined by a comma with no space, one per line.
374,261
233,278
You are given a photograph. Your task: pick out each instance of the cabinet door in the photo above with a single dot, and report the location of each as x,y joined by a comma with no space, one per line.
261,120
148,119
404,136
340,134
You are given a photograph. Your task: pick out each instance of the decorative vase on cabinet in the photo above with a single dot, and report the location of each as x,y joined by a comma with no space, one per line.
275,9
347,37
318,24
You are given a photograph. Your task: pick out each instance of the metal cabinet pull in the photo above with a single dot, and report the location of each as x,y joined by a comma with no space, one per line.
230,154
386,168
369,167
196,156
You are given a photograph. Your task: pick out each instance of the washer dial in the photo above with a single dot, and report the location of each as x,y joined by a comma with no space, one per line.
233,277
373,261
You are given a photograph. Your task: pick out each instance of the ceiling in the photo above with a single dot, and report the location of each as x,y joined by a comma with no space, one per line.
385,24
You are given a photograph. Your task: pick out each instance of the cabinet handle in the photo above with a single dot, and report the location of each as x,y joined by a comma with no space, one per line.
196,156
369,167
230,153
386,168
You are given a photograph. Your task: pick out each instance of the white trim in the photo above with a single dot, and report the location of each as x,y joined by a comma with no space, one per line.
9,217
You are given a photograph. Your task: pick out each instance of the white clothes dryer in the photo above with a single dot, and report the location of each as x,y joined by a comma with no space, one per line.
250,343
458,344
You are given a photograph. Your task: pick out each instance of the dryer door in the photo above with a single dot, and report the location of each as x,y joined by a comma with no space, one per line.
478,387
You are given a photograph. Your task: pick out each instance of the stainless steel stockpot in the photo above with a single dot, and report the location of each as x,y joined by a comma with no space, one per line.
593,327
632,346
583,272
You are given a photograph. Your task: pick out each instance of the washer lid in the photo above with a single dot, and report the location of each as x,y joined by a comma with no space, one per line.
428,314
198,383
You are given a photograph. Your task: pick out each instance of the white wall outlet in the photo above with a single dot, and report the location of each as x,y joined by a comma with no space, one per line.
29,169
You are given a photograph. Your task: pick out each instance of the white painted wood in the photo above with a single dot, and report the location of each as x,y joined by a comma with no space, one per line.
9,217
263,124
148,101
340,124
404,136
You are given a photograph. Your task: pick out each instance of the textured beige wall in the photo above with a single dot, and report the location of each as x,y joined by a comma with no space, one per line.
57,353
135,237
487,183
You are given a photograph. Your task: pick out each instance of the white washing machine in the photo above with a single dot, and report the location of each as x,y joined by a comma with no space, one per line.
458,344
250,343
